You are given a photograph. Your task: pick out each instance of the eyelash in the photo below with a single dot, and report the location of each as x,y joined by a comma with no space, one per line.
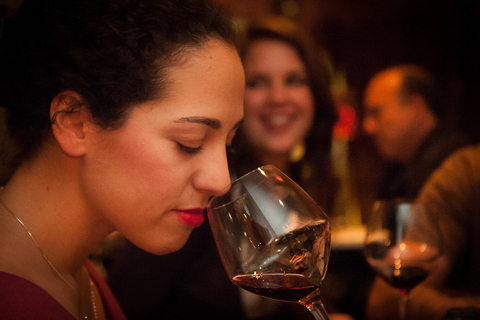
189,150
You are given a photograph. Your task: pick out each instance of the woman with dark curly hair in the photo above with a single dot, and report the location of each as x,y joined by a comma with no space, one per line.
198,287
121,111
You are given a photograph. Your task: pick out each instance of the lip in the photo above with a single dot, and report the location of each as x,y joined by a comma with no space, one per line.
192,217
277,124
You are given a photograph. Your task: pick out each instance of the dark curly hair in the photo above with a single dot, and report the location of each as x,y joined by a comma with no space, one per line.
114,53
314,172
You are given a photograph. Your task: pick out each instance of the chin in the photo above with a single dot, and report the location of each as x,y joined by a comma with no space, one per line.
280,150
164,246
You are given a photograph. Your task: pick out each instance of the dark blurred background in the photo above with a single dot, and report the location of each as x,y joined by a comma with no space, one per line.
364,36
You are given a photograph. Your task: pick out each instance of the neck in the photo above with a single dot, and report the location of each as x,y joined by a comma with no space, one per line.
24,251
45,197
48,225
74,290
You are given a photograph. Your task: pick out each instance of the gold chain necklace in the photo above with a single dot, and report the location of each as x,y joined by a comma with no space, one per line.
92,296
91,284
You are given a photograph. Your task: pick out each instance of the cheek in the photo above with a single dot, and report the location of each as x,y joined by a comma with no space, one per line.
125,173
253,130
393,124
252,113
254,100
136,158
135,189
308,111
384,124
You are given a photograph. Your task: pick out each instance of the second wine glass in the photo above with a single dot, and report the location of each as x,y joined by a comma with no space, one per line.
402,245
274,240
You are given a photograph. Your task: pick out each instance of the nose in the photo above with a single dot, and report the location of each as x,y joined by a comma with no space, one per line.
213,175
277,93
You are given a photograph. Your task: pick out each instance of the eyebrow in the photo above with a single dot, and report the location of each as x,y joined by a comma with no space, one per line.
210,122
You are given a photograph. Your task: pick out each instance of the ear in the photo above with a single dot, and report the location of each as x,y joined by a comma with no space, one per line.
69,115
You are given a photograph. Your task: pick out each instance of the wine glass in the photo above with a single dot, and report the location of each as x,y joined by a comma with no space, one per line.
402,245
274,240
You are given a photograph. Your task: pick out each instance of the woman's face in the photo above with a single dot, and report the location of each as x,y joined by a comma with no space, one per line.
152,178
279,105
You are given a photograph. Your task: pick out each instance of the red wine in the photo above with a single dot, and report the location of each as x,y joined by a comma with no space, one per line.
286,287
404,278
403,266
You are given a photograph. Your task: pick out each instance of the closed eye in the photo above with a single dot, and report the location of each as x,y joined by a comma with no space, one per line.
189,150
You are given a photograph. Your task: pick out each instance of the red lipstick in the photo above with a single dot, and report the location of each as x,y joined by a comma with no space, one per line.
192,217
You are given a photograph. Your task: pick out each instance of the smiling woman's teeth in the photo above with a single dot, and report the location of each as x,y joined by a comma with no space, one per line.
277,120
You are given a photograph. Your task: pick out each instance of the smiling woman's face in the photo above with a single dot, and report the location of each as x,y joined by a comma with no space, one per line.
152,178
279,105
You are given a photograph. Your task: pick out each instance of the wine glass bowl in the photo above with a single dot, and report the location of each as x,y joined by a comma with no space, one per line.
402,245
274,240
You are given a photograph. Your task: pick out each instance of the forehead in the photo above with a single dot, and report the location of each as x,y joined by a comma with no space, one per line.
205,70
383,90
208,83
266,53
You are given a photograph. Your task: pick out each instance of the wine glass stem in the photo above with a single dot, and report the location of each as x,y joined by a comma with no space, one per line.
318,310
403,304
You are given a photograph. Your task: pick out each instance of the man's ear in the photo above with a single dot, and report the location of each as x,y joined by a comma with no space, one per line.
69,115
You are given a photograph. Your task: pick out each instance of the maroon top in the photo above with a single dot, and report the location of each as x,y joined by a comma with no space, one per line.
22,299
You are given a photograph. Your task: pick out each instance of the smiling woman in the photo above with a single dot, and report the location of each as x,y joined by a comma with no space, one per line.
289,111
121,116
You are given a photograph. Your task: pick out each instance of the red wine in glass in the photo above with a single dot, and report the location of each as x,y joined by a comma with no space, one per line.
402,245
404,278
403,274
286,287
274,240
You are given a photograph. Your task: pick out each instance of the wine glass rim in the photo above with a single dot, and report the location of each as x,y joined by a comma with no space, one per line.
398,201
227,188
